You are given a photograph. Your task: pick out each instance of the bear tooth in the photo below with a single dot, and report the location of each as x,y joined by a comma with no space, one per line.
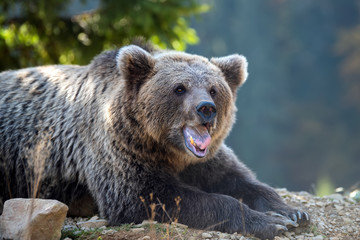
192,141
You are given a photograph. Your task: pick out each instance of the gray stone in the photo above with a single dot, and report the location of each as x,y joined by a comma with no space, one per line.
224,236
78,232
69,227
145,223
93,223
206,235
137,230
108,231
32,219
347,220
179,225
281,238
148,222
145,238
94,218
339,207
335,196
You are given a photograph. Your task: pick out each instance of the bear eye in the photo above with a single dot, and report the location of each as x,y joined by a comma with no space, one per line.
180,89
212,92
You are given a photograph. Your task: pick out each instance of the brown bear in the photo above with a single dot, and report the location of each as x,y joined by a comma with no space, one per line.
137,124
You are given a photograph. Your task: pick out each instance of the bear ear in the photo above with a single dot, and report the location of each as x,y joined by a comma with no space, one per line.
234,68
135,64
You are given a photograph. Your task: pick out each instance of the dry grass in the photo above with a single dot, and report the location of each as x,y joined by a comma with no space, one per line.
36,159
171,231
35,164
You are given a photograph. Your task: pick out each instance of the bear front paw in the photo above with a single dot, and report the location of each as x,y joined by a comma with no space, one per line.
298,216
301,217
271,224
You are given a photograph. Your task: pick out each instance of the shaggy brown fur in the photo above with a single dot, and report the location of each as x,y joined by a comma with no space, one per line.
133,123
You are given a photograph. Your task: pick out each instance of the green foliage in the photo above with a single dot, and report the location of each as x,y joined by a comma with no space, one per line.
324,186
47,31
77,233
124,227
314,229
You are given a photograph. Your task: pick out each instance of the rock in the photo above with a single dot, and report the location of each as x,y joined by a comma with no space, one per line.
93,223
145,223
281,238
355,195
347,220
137,230
148,222
321,225
179,225
145,238
85,229
224,236
78,232
318,237
32,219
339,207
94,218
289,234
68,227
108,231
206,235
335,196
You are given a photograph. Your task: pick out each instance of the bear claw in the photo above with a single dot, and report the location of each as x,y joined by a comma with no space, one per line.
280,228
287,221
274,214
293,217
307,216
299,215
291,223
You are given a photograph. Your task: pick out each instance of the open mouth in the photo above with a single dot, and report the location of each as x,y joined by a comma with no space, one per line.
197,139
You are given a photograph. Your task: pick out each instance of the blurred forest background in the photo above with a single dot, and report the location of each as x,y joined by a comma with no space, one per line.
299,113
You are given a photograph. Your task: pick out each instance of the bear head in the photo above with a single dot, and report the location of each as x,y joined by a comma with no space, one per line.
183,102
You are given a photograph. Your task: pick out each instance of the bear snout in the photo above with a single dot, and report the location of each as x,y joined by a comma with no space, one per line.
206,111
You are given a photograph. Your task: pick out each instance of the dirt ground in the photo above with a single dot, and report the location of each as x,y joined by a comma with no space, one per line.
333,217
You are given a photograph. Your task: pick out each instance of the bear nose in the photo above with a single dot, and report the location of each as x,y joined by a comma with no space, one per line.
206,111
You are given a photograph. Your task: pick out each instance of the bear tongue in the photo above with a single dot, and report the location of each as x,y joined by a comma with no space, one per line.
197,140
